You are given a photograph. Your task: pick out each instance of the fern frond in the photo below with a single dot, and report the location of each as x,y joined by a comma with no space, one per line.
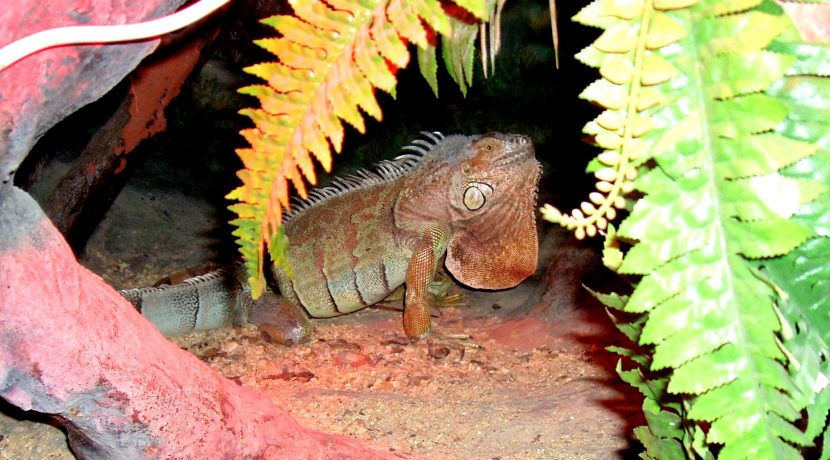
803,276
629,67
458,46
695,102
666,435
331,56
458,50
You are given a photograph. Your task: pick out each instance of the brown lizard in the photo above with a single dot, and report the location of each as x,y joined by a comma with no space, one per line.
471,198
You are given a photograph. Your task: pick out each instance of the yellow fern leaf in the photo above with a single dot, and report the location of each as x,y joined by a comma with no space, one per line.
368,59
389,44
406,22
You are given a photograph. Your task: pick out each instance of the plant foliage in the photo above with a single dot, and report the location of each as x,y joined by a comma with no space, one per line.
331,57
718,118
803,276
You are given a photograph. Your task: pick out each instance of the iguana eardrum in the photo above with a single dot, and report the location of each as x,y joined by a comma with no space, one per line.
472,198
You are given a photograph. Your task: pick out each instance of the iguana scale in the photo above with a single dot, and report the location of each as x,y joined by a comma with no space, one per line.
471,198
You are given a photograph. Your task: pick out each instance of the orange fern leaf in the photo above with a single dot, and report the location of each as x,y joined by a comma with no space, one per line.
330,58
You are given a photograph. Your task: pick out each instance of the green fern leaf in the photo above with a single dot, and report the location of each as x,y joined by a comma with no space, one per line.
751,114
768,238
732,6
458,50
665,434
698,103
604,15
478,8
803,276
742,32
811,59
769,197
428,65
728,73
612,300
331,56
757,155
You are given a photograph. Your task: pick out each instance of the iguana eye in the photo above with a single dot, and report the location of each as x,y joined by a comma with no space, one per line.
476,195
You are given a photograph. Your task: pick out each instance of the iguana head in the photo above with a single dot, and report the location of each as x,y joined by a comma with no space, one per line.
493,202
484,189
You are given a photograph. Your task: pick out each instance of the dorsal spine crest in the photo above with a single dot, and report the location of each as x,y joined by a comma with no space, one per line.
384,171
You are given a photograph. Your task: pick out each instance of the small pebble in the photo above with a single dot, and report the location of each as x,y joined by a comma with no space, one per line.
297,376
396,340
342,344
212,352
275,335
230,347
419,379
438,351
395,349
351,358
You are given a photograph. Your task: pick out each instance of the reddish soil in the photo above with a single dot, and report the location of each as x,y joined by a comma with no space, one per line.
362,378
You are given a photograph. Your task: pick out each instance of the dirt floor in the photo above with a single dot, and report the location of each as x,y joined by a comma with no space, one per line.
356,378
554,401
540,387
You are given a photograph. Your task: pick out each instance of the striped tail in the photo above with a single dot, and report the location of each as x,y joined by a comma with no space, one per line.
200,303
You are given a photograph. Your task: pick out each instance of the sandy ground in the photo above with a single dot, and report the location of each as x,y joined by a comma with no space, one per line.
361,377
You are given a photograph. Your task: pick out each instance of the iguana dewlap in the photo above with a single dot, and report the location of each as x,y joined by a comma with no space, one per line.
472,198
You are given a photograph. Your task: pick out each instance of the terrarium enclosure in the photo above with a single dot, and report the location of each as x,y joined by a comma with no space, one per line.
133,165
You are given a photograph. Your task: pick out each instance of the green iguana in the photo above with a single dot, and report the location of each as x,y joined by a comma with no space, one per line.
353,243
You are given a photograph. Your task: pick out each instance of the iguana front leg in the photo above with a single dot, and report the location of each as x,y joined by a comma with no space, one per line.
419,273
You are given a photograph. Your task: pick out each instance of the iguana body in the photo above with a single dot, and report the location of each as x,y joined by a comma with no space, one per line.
352,244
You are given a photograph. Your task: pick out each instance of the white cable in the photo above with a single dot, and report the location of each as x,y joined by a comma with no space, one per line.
76,35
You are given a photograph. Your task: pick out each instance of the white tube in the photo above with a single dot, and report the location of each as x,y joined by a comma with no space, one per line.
75,35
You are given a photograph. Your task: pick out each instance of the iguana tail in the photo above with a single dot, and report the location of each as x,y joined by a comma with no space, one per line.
218,299
200,303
